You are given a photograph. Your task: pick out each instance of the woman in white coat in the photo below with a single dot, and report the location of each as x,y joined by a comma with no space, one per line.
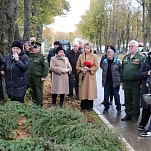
60,68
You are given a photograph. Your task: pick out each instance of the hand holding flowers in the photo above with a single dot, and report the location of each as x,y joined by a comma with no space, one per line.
87,67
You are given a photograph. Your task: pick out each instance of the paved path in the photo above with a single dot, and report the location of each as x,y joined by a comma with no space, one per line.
128,129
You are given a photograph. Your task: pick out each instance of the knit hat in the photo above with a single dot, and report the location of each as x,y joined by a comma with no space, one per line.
17,44
58,49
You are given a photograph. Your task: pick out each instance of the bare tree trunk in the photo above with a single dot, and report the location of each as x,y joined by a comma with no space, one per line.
143,28
17,35
149,24
26,35
8,15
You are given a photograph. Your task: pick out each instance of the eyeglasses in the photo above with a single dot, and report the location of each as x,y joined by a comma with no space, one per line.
130,46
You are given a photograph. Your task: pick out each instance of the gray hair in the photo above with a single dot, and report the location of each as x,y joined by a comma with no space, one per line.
82,41
33,38
135,42
76,43
110,51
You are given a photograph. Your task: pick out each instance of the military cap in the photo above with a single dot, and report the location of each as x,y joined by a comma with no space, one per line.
35,44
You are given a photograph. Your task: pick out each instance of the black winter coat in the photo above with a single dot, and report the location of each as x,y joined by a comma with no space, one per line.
51,53
73,58
16,75
146,66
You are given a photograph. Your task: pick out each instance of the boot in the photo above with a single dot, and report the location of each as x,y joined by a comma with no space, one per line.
54,96
61,100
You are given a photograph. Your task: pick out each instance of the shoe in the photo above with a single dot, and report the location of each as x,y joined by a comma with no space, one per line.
134,120
145,134
126,118
70,97
105,111
118,112
110,103
141,128
102,102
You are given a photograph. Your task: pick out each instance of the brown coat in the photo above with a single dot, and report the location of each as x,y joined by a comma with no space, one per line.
88,89
60,81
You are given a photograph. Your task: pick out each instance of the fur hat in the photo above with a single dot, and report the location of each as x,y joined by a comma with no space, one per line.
17,44
58,49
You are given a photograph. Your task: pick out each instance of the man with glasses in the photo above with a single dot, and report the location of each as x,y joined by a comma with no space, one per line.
37,72
130,81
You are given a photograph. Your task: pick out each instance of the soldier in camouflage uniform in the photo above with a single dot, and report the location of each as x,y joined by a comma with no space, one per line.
130,81
37,72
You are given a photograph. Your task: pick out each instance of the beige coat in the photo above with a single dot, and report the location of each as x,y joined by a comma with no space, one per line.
60,80
88,89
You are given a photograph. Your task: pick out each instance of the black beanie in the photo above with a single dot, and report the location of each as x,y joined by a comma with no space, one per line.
58,49
17,44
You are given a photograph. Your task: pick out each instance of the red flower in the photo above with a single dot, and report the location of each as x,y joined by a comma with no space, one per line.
88,64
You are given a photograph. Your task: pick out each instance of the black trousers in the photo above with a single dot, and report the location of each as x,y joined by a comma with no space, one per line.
86,104
19,99
73,83
54,96
145,116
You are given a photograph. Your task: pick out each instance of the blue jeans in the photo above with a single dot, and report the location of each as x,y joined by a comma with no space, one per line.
107,91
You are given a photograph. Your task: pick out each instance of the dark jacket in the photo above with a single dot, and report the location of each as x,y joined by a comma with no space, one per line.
16,75
115,69
2,63
146,66
102,59
52,53
73,58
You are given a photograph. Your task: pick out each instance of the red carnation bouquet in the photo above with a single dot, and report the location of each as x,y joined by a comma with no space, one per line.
87,64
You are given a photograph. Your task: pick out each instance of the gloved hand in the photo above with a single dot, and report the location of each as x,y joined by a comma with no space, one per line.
65,70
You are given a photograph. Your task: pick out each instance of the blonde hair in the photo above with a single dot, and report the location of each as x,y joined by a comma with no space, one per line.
88,44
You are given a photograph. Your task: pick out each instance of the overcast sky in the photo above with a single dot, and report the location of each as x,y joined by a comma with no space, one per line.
67,24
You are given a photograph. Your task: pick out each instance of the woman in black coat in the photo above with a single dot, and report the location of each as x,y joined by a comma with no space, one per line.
144,73
16,72
2,62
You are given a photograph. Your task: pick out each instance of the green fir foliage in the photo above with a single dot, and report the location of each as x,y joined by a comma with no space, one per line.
54,130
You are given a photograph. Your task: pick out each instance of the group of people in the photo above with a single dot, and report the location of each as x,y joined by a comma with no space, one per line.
68,70
24,67
134,75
